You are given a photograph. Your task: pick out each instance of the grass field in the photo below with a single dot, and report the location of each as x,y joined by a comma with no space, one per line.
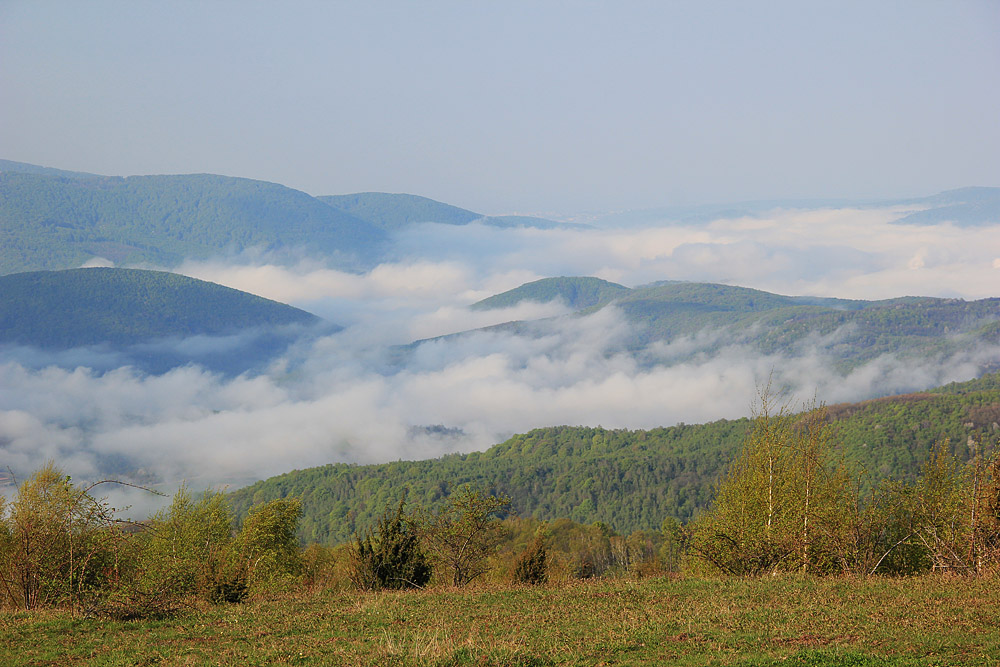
784,620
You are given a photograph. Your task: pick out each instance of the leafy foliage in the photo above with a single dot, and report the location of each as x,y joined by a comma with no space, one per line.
532,566
188,547
390,556
783,504
266,546
465,532
61,545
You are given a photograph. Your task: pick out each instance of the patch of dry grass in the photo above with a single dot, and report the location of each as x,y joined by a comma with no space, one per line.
791,620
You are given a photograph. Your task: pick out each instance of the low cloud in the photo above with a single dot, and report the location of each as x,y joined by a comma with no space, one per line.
355,396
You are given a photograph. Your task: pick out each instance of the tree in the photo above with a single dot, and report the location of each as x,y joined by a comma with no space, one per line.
465,533
783,504
266,548
532,566
188,545
943,511
58,543
390,556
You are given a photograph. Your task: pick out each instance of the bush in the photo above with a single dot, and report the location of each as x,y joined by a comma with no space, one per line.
532,566
266,550
390,556
464,534
58,544
188,547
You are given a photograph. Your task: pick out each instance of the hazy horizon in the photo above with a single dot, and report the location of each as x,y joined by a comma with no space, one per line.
547,108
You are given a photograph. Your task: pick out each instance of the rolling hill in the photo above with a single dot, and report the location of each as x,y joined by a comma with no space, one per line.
577,293
853,331
137,313
965,207
392,212
55,221
630,479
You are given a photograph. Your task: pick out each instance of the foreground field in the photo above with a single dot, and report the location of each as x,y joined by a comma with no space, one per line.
788,621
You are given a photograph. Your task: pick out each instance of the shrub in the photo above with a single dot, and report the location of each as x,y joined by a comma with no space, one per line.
465,533
188,547
266,550
390,556
532,566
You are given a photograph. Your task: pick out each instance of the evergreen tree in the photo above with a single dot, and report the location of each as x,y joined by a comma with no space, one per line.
390,556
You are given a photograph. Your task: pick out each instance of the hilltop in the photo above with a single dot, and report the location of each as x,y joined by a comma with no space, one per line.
123,310
853,331
392,212
54,222
56,219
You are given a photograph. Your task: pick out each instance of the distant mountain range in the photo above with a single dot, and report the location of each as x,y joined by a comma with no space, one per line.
965,207
54,219
138,316
630,480
392,212
57,219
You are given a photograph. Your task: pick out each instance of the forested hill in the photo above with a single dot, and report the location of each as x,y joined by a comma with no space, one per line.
577,293
57,221
628,479
850,331
392,212
78,307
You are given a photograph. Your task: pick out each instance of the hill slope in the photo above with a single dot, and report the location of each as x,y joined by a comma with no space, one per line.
394,211
65,309
57,221
851,331
627,479
965,207
577,293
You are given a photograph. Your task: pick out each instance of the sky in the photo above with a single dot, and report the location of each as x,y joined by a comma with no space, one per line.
552,108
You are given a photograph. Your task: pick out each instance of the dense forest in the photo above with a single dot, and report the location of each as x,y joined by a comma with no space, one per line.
632,479
58,222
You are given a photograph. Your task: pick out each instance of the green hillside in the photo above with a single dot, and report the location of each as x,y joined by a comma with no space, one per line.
56,221
628,479
64,309
852,331
577,293
392,211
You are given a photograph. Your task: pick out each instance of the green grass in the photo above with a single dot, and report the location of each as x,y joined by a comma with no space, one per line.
784,620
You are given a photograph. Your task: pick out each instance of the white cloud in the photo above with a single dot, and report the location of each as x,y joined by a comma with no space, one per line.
353,397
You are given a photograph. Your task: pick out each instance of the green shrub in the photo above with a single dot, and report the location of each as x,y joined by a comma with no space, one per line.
390,556
532,566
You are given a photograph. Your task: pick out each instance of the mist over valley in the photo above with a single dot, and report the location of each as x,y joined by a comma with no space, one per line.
418,337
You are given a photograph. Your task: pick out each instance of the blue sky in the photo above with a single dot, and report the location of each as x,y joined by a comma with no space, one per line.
541,107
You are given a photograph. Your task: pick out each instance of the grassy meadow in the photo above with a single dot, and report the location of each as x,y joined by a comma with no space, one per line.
782,620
